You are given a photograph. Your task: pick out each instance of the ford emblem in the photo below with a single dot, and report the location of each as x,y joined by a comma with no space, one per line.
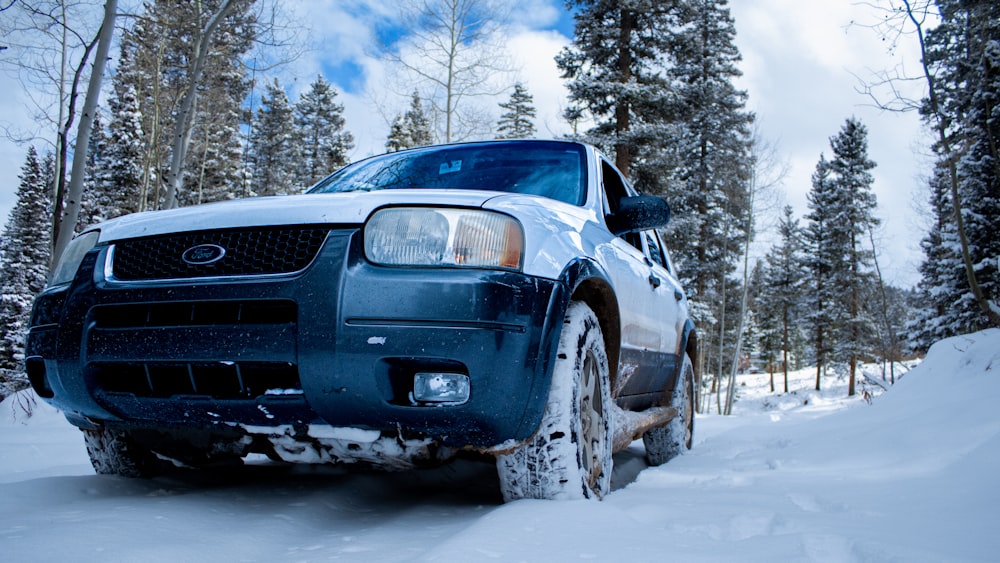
203,254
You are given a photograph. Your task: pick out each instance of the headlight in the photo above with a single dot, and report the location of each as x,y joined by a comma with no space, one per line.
69,262
413,236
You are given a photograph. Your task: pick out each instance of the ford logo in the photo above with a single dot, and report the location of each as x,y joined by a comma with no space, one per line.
203,254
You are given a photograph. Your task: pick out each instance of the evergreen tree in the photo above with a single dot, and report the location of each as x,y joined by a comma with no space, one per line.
410,129
707,174
852,169
963,62
274,150
125,151
843,214
319,125
615,71
823,256
657,78
516,122
781,294
94,203
946,307
24,255
155,61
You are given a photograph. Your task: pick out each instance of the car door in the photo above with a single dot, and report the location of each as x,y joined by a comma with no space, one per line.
643,309
672,299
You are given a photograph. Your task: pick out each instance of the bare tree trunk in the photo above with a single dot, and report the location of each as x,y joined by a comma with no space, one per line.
185,116
890,333
784,345
72,210
59,173
67,111
151,158
738,349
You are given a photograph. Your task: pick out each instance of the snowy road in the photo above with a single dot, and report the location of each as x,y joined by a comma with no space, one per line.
802,477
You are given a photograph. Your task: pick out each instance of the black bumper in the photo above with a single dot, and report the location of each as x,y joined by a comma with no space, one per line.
338,343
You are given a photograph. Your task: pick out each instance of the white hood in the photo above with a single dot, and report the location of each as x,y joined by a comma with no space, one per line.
308,209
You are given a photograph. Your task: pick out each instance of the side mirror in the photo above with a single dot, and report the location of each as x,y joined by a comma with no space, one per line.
639,213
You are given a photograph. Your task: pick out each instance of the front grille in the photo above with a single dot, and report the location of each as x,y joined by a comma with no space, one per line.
194,313
248,252
216,380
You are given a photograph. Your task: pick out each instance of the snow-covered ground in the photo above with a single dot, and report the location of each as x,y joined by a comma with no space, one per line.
800,477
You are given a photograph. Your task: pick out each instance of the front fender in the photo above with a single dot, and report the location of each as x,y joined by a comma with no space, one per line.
588,281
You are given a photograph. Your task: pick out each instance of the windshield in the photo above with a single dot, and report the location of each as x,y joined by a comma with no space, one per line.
551,169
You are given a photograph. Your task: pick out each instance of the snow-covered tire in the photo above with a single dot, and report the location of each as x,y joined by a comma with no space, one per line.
670,440
569,457
113,452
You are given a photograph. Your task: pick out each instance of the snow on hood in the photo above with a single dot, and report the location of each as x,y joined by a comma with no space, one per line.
312,209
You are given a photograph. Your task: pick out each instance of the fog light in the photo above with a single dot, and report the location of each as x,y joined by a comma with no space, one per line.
441,388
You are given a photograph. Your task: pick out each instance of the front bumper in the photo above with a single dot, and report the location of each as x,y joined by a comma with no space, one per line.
336,344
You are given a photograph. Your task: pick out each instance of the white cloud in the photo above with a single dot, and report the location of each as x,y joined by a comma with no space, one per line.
801,63
534,53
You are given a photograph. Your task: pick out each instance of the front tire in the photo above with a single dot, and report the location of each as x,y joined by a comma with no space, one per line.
114,452
672,439
569,457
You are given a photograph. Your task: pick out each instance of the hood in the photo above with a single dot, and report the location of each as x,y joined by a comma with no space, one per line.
307,209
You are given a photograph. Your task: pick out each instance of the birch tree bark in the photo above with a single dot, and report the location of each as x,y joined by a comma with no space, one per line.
185,116
72,206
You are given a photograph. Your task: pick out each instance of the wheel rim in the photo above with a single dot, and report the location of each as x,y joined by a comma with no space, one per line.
592,437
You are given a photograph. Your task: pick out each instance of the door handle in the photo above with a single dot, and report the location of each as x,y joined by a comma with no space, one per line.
678,294
654,281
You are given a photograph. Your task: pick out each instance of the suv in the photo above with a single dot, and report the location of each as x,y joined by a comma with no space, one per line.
507,298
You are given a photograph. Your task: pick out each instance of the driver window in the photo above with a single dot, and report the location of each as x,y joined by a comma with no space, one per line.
614,191
614,186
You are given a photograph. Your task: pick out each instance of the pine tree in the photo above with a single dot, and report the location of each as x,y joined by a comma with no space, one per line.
125,151
843,214
823,256
963,70
707,174
399,138
945,307
516,122
657,78
94,203
24,260
319,126
979,165
614,71
852,169
410,129
274,150
155,62
780,295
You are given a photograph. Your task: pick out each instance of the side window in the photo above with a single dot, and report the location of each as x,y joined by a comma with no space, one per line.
655,249
614,186
614,190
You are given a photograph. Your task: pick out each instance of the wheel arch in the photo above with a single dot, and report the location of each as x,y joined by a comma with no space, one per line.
588,282
690,347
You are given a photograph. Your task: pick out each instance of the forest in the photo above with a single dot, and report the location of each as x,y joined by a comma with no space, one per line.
165,104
